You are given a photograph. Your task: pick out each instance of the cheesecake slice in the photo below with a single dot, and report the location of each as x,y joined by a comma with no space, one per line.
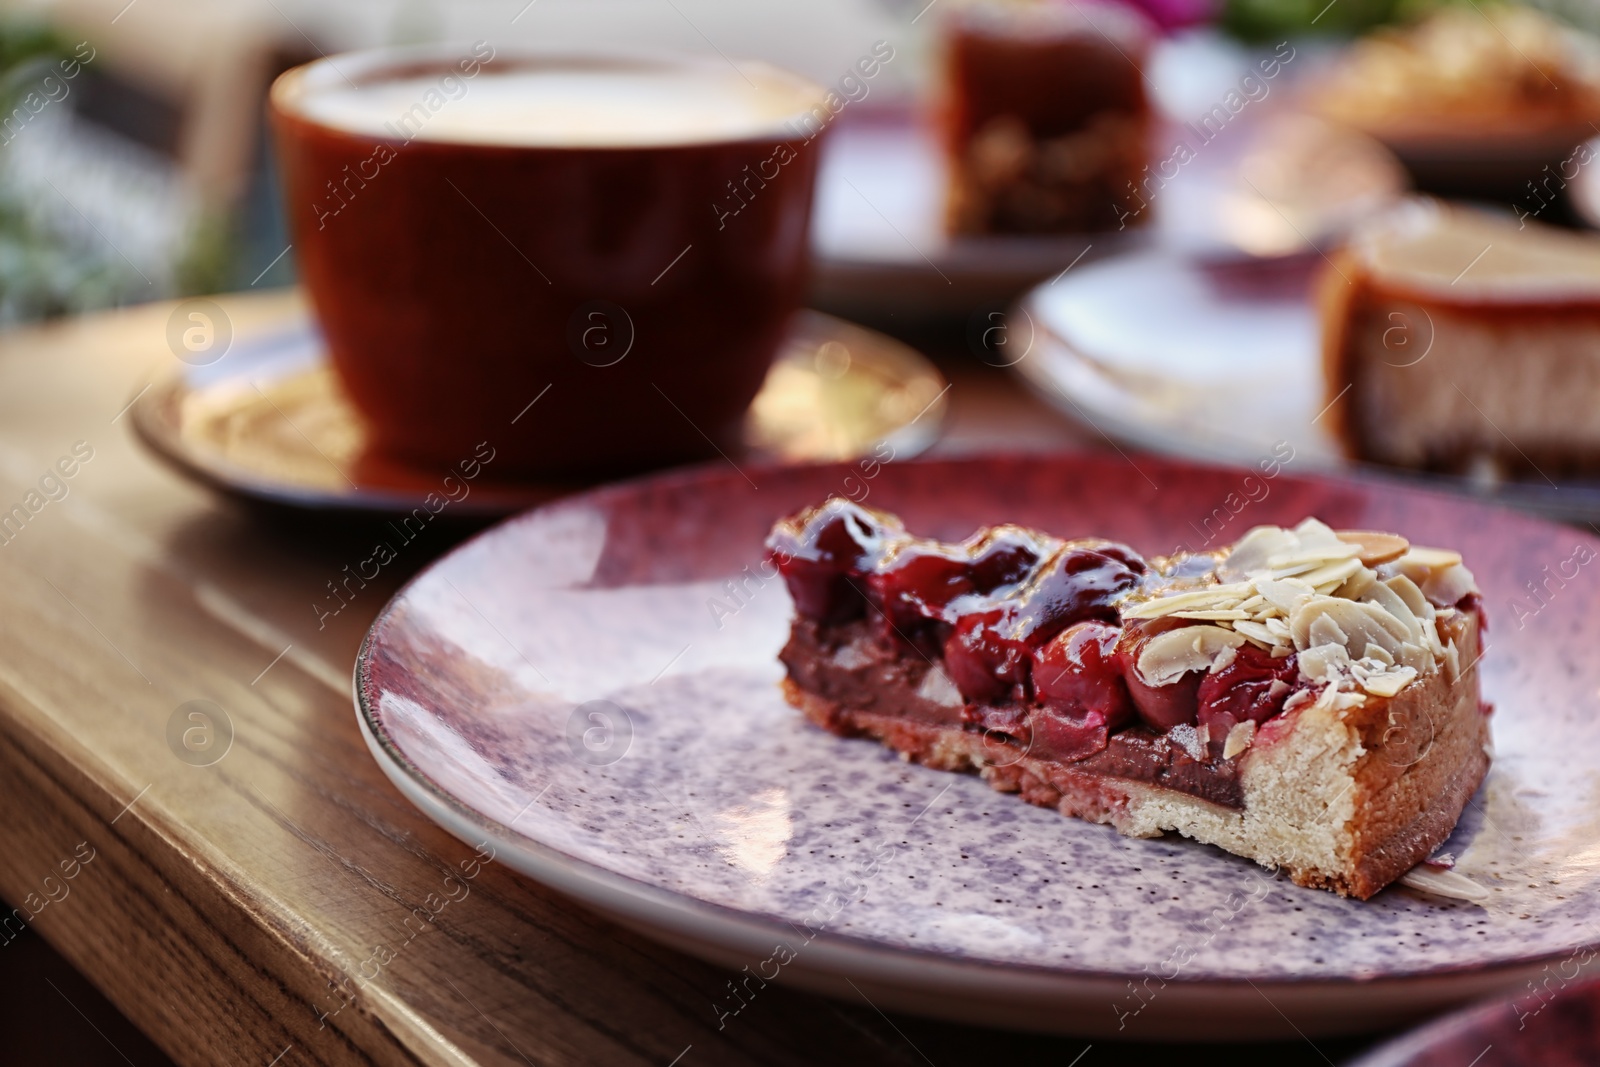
1464,342
1306,698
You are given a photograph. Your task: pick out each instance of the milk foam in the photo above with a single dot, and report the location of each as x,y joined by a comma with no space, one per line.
565,102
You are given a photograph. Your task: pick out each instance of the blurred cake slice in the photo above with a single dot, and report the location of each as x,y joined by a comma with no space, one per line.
1474,99
1459,341
1045,120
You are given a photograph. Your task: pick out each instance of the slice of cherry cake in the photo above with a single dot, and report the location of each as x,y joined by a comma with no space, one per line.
1307,698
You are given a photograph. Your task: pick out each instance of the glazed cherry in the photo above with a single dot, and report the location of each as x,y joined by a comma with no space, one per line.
1003,556
916,585
1073,585
1162,707
1123,555
1058,734
1078,673
921,580
1083,699
822,553
985,666
1254,686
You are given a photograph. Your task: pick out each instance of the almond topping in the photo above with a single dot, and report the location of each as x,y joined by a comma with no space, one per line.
1215,598
1376,547
1432,557
1171,654
1239,738
1444,884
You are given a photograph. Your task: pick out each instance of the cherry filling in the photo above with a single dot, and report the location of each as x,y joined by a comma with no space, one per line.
1026,625
990,653
1083,698
823,553
1161,707
920,585
1253,686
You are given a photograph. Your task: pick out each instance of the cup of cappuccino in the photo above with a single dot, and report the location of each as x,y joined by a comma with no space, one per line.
586,261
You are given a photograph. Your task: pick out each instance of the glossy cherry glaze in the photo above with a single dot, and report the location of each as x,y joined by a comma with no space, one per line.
1027,625
826,553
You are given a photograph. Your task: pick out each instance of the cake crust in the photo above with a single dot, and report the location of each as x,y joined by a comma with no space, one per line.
1404,768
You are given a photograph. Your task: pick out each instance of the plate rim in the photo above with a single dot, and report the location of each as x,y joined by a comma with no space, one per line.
394,762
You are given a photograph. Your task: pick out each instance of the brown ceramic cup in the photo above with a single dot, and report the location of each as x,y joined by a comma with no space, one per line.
618,241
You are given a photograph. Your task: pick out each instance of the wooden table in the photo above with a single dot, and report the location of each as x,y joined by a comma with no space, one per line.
234,911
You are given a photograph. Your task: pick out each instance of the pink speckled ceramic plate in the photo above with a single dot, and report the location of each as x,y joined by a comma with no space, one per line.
592,686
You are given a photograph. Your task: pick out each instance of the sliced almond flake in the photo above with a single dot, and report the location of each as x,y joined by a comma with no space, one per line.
1315,532
1256,631
1313,554
1357,585
1444,884
1388,683
1407,590
1284,593
1203,733
1253,604
1376,547
1219,615
1323,629
1224,659
1379,653
1277,628
1445,586
1357,621
1333,573
1239,738
1299,699
1294,570
1250,552
1432,558
1169,655
1218,596
1395,605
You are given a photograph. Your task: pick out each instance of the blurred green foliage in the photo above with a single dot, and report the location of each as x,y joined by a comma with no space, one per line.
1262,20
52,261
42,271
210,261
20,43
